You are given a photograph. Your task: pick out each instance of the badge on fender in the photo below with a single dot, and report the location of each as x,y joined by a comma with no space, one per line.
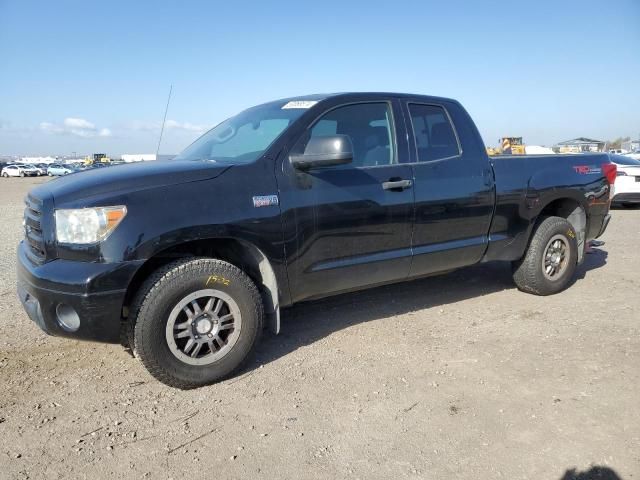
265,200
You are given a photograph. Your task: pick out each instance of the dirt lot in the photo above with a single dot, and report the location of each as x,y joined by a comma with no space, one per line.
458,376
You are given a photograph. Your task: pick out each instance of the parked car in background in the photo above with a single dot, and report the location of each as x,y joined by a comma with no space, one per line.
10,171
40,171
626,190
55,169
29,169
18,170
44,167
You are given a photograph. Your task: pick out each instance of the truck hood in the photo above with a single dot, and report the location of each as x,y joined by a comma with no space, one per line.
120,179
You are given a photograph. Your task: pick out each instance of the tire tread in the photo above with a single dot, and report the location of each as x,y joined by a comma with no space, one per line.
527,273
155,283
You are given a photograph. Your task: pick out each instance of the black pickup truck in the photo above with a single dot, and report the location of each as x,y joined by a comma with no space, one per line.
289,201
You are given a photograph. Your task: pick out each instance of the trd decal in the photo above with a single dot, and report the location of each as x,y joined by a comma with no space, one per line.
587,169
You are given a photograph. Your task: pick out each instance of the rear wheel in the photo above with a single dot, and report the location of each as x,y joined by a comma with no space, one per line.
196,322
550,261
5,175
22,174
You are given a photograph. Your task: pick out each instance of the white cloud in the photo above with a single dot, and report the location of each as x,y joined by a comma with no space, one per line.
51,128
78,127
169,125
142,126
79,123
189,127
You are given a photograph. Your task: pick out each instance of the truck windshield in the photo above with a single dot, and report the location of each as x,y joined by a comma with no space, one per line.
244,137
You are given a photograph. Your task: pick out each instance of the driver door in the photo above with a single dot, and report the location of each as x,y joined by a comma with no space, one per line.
349,226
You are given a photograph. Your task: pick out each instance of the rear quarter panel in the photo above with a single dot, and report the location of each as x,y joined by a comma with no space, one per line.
526,184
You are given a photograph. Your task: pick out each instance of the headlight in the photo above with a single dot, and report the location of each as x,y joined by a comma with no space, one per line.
87,225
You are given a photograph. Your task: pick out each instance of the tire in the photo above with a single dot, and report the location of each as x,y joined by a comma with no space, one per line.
50,174
529,273
5,175
159,320
22,174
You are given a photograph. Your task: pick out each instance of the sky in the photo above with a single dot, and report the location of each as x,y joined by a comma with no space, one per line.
78,76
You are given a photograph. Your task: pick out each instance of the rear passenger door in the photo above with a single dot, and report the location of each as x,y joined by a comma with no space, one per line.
453,190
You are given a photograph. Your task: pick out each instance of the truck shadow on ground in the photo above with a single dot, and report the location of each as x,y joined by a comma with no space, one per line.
592,261
306,323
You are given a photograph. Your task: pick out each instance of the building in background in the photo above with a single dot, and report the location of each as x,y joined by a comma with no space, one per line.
35,160
538,150
144,157
631,145
138,157
580,144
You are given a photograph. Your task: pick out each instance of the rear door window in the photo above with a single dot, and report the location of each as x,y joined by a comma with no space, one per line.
434,135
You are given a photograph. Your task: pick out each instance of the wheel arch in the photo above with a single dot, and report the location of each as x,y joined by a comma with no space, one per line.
572,210
241,253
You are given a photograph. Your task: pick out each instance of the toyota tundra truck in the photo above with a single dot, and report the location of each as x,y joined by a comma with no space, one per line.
187,260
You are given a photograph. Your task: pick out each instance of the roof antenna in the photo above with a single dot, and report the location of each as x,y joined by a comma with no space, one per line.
164,120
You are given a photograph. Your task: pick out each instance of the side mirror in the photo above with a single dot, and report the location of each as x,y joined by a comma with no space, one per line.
324,152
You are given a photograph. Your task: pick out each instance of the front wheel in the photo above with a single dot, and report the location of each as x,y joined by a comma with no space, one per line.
550,261
196,321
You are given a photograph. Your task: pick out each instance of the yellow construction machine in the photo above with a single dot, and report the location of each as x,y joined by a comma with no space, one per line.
508,146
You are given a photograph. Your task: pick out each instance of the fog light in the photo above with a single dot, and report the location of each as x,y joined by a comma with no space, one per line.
67,317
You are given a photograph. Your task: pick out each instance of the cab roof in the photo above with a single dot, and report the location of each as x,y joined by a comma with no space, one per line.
355,95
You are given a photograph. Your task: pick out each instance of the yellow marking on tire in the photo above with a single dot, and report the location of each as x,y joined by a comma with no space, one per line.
217,279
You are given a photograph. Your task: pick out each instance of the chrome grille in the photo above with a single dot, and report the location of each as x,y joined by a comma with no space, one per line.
33,229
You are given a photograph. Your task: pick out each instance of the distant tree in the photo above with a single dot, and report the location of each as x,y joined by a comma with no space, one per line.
617,143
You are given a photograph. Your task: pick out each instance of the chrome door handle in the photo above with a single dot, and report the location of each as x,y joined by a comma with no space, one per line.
397,185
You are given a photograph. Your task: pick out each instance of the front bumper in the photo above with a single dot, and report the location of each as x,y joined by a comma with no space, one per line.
96,291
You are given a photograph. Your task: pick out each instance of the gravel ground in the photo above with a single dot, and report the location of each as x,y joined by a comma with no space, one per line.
458,376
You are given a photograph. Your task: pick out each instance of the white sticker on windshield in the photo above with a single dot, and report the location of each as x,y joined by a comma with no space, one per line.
300,104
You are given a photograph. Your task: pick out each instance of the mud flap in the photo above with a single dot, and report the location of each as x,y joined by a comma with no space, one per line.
582,245
273,321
